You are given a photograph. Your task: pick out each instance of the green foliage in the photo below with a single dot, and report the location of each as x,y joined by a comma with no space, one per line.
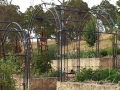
41,64
89,34
89,54
103,52
84,74
100,82
109,51
52,52
114,76
109,8
118,50
99,75
70,56
112,10
51,73
118,22
118,3
7,68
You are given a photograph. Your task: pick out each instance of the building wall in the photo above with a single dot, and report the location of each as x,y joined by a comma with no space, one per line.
93,63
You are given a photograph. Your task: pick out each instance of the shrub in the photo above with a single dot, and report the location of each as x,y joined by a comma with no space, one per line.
109,51
118,50
70,55
111,75
52,73
89,54
43,63
52,52
103,52
84,74
7,69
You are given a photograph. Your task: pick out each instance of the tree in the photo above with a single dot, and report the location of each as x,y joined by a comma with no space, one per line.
79,9
118,19
106,12
10,13
27,15
118,2
50,25
89,32
109,8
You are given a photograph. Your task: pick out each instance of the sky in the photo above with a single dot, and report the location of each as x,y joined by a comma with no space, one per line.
24,4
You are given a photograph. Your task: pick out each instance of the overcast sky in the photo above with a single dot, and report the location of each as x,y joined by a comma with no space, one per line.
24,4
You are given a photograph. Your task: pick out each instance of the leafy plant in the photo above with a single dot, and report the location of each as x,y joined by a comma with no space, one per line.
100,82
84,74
89,34
109,51
103,52
41,64
99,75
52,52
51,73
70,55
89,54
7,69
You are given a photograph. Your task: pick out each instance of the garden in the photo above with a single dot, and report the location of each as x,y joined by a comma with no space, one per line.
65,34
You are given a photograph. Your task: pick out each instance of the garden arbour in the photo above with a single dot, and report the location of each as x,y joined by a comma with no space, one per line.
69,28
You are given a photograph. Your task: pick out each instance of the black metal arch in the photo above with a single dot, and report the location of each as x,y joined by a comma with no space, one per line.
41,17
22,36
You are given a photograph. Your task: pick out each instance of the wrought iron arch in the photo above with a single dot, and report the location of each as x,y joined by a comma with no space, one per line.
22,36
59,23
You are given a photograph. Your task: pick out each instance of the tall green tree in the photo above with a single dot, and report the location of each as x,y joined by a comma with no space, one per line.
89,34
27,15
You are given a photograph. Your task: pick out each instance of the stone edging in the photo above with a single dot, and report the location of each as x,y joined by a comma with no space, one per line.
86,86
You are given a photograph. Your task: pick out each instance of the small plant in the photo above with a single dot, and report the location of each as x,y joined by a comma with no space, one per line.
103,52
89,54
100,82
70,55
52,52
51,73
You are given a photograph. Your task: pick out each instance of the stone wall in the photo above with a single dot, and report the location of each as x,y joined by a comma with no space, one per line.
93,63
85,86
43,83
